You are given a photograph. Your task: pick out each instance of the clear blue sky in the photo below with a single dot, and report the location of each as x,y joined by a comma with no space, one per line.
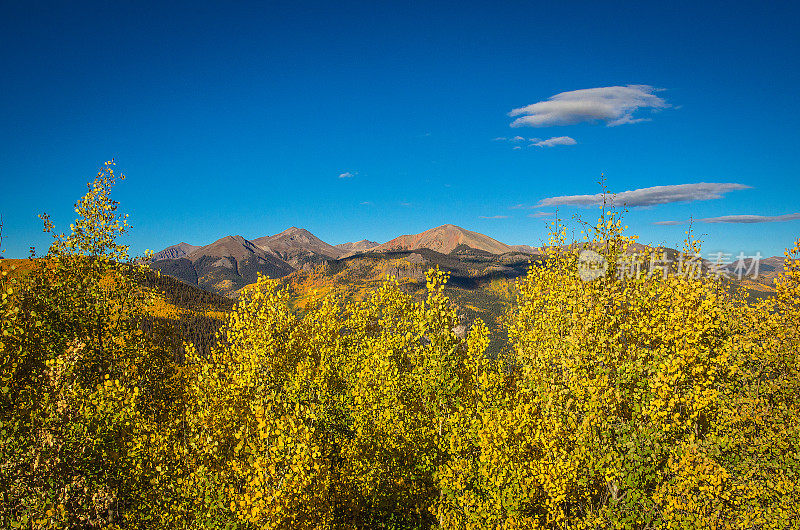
237,118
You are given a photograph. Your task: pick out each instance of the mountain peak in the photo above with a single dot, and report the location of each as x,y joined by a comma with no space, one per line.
445,239
175,251
233,245
295,242
225,265
292,230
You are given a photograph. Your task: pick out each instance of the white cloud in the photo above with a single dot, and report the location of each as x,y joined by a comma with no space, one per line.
739,219
348,175
365,203
702,191
556,140
493,217
614,105
514,139
540,214
535,142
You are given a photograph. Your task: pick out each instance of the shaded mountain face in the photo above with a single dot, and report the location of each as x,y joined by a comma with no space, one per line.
175,251
468,268
225,265
299,247
357,246
444,239
181,269
481,284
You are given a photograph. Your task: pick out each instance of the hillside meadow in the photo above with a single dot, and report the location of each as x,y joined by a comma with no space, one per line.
654,401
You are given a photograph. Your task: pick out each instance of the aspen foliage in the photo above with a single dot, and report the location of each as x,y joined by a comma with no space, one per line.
662,399
78,377
658,400
340,413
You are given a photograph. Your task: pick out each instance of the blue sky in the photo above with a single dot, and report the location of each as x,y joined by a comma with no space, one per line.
237,118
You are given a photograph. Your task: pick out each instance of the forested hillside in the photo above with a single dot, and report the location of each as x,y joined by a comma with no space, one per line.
647,401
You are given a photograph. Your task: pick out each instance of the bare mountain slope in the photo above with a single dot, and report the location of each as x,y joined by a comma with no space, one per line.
229,246
445,239
225,265
299,247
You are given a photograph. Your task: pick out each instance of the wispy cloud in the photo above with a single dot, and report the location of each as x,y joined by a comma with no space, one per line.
701,191
513,139
540,214
739,219
366,203
348,174
536,142
493,217
556,140
615,105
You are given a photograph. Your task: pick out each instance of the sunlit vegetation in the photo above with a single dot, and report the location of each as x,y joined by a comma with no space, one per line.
662,401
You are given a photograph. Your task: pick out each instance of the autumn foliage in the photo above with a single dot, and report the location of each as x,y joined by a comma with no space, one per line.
657,401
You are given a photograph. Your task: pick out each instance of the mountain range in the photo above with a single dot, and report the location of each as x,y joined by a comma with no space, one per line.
232,262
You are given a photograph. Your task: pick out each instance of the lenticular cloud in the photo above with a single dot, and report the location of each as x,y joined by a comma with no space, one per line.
701,191
615,105
744,218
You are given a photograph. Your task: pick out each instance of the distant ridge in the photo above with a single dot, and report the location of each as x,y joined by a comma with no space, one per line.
232,262
357,246
526,249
